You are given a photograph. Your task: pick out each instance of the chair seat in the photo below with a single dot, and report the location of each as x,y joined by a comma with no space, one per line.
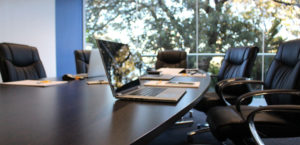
227,122
211,99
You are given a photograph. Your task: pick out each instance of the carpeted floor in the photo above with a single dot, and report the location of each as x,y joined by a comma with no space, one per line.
176,135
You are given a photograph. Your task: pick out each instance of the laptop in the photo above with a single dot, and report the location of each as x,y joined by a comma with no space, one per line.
96,68
123,69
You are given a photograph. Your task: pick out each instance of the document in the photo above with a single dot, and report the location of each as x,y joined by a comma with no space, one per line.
175,84
201,75
35,83
170,71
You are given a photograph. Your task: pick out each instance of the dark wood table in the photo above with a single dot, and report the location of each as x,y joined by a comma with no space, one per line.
77,113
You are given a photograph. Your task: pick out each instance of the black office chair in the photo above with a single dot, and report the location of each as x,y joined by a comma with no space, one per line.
237,65
82,60
171,59
284,73
20,62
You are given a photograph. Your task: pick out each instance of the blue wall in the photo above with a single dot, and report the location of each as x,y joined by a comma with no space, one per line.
69,29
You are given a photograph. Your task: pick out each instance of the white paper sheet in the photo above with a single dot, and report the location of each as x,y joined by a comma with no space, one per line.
170,71
35,83
175,84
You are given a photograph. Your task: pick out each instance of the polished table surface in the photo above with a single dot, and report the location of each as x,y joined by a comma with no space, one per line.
79,114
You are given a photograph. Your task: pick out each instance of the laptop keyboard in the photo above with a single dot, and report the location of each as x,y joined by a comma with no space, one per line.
148,91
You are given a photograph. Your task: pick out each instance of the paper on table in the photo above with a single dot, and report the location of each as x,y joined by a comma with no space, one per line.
191,75
174,84
170,71
97,82
35,83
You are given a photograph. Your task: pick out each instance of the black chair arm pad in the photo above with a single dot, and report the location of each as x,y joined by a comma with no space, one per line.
238,81
225,81
264,92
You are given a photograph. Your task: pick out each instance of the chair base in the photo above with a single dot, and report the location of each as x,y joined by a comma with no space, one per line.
184,121
201,128
194,132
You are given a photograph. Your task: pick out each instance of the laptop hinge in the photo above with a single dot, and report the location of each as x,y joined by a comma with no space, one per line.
127,90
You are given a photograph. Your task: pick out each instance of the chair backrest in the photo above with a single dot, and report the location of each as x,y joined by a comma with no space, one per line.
82,60
238,62
284,72
171,59
20,62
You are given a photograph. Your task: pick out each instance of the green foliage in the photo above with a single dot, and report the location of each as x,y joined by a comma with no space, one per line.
171,24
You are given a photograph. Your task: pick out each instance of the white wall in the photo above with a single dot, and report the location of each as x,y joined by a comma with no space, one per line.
31,22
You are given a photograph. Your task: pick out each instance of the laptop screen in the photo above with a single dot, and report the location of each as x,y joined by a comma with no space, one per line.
96,67
123,66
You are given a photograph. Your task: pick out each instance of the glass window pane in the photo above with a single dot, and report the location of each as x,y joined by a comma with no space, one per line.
110,20
149,26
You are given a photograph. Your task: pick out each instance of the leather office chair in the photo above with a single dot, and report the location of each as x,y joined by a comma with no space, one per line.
237,64
20,62
284,73
82,60
171,59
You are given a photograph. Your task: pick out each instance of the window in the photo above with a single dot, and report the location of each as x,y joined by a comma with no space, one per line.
205,29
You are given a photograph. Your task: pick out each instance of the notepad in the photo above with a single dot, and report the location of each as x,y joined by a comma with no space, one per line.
35,83
170,71
175,84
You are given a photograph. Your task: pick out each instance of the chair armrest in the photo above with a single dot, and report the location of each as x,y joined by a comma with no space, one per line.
272,108
234,83
264,92
225,81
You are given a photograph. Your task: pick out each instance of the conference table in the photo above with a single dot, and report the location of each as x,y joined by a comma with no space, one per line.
79,114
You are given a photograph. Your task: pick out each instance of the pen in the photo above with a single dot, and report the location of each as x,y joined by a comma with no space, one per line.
43,82
188,83
172,82
159,82
193,73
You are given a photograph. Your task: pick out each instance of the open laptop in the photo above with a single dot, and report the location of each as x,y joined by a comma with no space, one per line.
96,68
123,69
